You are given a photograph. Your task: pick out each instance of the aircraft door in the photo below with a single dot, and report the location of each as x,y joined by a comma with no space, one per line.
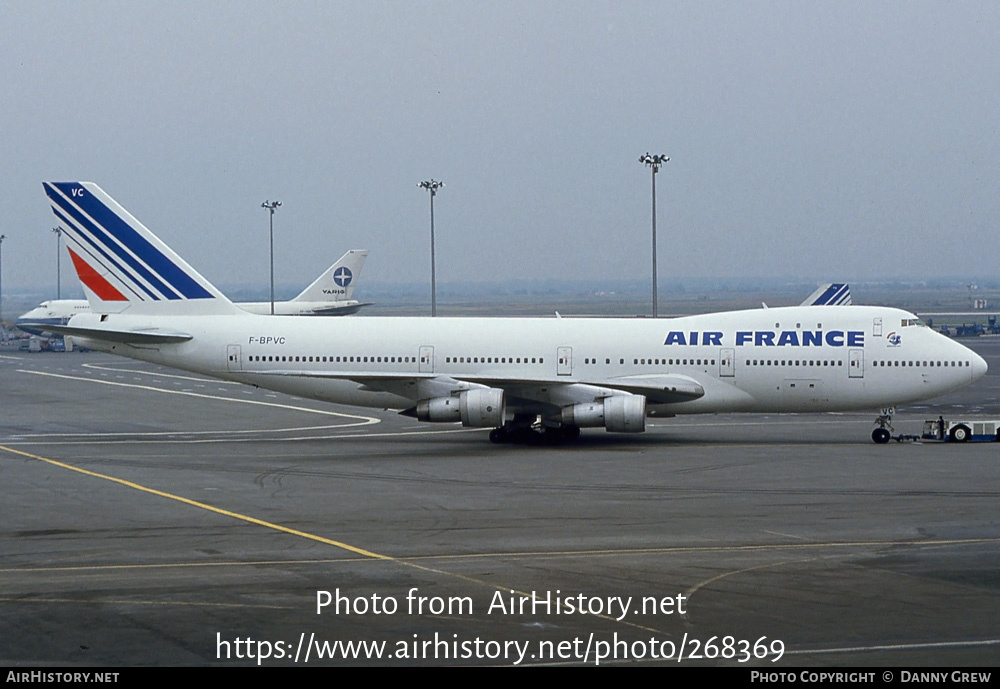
856,364
426,359
564,361
877,327
727,363
234,360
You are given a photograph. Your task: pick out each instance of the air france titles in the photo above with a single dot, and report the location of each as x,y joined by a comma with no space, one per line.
769,338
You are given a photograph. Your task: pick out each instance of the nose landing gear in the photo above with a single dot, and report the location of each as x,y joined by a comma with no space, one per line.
883,433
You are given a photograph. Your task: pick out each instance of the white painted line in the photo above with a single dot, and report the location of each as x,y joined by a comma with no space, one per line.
364,420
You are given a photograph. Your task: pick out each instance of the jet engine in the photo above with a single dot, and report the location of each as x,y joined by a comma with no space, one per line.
618,414
478,408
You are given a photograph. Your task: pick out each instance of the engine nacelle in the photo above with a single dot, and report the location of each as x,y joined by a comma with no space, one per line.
479,408
617,414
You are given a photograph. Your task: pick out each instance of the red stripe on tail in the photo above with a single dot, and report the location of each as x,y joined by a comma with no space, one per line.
97,284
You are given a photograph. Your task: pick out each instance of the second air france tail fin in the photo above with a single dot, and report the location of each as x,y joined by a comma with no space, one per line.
122,265
830,294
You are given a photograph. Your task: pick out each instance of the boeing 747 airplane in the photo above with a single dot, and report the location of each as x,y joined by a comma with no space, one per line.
521,377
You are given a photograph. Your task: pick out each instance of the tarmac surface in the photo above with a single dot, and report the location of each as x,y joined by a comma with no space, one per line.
151,517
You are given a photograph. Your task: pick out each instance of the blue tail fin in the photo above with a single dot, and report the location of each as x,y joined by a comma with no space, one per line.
121,263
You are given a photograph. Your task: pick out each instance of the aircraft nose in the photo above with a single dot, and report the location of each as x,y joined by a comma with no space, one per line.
979,366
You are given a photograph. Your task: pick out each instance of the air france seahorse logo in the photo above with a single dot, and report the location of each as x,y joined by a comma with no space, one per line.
894,339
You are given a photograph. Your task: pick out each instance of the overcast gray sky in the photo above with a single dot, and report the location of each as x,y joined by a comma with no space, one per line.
823,140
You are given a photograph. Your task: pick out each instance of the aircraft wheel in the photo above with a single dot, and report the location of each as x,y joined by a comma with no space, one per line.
498,436
555,436
573,432
881,436
960,434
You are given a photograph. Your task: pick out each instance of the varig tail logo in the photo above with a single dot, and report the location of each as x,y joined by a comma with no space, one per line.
343,276
894,339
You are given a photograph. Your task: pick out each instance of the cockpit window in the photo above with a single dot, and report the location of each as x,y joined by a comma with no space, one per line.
913,321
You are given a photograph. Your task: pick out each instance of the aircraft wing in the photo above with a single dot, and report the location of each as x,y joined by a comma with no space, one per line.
658,389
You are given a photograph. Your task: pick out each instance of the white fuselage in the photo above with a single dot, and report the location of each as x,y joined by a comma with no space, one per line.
765,360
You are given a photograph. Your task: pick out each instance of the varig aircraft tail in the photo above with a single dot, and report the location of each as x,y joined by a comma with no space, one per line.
337,283
122,265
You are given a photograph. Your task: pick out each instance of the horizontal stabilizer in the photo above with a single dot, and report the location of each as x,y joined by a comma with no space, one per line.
136,337
338,308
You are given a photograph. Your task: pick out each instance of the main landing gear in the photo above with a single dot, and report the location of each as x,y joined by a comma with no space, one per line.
883,433
531,431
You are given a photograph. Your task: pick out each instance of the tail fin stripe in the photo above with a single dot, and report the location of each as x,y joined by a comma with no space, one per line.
83,250
92,279
841,293
78,234
97,237
111,223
